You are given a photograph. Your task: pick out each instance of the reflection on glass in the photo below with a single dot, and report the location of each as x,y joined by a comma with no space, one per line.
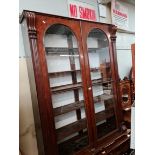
99,60
66,86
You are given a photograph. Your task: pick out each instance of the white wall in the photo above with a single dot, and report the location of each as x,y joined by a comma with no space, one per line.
124,41
106,19
124,57
131,15
21,44
27,135
56,7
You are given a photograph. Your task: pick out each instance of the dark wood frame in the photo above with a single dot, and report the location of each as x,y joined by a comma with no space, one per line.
34,27
133,60
133,73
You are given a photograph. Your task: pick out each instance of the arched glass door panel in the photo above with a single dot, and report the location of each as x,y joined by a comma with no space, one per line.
102,82
62,56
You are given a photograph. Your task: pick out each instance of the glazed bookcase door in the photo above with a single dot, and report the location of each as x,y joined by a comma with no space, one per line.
100,79
64,70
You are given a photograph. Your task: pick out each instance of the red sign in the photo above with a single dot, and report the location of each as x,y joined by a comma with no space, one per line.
82,11
120,13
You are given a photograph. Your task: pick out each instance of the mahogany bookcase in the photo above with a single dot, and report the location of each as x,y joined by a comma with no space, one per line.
73,74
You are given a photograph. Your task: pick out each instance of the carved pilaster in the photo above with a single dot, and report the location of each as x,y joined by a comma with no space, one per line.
32,34
31,20
34,74
113,30
42,89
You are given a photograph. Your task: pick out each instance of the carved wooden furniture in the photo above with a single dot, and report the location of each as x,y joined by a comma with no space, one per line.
125,93
74,85
126,101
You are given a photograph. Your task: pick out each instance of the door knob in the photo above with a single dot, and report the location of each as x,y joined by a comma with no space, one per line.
89,88
103,152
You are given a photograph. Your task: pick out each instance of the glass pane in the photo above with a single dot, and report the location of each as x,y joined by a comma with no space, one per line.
99,60
64,71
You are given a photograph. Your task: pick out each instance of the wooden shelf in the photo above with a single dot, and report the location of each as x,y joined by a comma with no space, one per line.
101,81
77,126
93,49
68,87
106,127
60,50
67,108
79,104
102,97
62,73
97,81
64,88
65,50
96,69
100,116
70,129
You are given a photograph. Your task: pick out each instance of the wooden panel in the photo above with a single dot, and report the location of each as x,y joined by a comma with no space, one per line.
100,116
70,129
116,143
67,108
133,60
66,88
73,145
133,73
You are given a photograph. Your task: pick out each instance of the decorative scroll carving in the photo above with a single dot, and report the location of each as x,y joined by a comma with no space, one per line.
30,17
113,30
